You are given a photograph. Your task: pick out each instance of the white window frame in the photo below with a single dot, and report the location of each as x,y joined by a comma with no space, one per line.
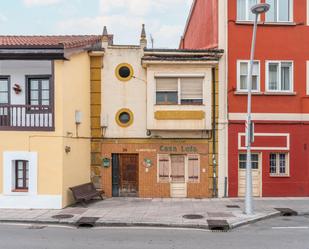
291,14
267,76
179,77
253,153
258,78
247,12
9,159
287,166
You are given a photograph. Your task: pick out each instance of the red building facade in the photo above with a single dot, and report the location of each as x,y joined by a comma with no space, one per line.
280,102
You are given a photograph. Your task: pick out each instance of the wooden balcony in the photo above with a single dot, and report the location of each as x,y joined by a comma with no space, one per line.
26,118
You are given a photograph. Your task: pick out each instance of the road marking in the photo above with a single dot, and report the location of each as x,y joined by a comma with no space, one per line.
290,227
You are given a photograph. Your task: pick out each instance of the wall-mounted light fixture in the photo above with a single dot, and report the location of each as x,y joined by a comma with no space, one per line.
67,149
104,124
78,120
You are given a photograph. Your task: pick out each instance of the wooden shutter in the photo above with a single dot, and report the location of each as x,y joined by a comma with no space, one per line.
193,168
164,168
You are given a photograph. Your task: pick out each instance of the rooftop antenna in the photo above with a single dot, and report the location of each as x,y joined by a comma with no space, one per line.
152,41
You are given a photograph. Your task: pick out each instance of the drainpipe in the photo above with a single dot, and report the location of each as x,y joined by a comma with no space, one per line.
214,161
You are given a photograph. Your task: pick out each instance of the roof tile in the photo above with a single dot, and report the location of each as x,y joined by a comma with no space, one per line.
64,41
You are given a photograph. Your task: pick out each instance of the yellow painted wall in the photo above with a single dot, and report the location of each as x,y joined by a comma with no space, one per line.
76,96
58,170
49,157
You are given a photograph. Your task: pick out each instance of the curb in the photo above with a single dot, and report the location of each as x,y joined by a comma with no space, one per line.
254,220
145,224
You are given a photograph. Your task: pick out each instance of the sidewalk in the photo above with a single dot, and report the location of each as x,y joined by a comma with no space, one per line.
160,212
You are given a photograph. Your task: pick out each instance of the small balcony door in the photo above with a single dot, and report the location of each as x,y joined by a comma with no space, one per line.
4,101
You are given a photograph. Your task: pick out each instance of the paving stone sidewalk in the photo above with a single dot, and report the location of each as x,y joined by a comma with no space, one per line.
160,212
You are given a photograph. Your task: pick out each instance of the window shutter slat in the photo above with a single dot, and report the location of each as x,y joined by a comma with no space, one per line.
192,88
167,84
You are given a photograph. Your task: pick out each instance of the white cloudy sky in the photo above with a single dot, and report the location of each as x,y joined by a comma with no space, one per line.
164,19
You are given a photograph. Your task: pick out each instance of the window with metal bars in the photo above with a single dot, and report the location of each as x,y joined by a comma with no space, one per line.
279,164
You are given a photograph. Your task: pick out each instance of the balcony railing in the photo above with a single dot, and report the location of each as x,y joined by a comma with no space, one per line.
26,117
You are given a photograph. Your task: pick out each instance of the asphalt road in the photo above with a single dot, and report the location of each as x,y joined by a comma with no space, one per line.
281,232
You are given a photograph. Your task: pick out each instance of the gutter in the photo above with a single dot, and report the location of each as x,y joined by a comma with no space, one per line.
214,127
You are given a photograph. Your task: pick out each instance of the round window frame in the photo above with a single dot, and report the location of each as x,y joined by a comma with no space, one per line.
119,76
117,118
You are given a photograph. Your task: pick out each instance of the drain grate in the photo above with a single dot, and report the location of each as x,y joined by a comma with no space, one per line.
87,222
62,216
193,216
34,227
232,206
287,211
218,225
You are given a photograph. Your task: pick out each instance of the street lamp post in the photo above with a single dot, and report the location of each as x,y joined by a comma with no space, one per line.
256,10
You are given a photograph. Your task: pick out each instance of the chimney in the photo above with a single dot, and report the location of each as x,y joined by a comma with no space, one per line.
143,40
105,38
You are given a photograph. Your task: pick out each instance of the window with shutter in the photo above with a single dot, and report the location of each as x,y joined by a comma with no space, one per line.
176,91
193,168
191,91
167,91
164,168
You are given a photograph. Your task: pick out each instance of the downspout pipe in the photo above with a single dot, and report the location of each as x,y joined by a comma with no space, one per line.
214,134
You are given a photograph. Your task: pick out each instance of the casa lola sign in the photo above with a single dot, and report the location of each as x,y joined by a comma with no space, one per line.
181,149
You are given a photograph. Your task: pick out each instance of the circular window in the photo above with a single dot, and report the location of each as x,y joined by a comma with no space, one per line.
124,72
124,117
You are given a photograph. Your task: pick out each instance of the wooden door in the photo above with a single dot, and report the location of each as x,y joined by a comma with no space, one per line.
256,175
115,175
128,175
178,176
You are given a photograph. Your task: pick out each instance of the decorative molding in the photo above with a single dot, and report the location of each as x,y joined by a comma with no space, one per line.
179,115
122,78
286,148
271,116
117,117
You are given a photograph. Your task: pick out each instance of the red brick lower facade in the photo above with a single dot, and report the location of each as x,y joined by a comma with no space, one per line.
147,152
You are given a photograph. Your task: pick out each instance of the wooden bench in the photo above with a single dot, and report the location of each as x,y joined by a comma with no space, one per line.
85,192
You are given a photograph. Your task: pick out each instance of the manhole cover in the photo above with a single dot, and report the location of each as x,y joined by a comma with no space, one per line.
232,206
63,216
36,227
193,216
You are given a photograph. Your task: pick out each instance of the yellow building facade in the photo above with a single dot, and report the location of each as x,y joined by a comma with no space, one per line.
45,125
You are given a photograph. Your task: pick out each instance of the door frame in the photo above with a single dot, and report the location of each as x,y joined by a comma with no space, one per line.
118,155
260,170
8,78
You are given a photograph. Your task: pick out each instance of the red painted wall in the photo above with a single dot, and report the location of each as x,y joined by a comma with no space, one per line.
202,29
274,42
295,185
